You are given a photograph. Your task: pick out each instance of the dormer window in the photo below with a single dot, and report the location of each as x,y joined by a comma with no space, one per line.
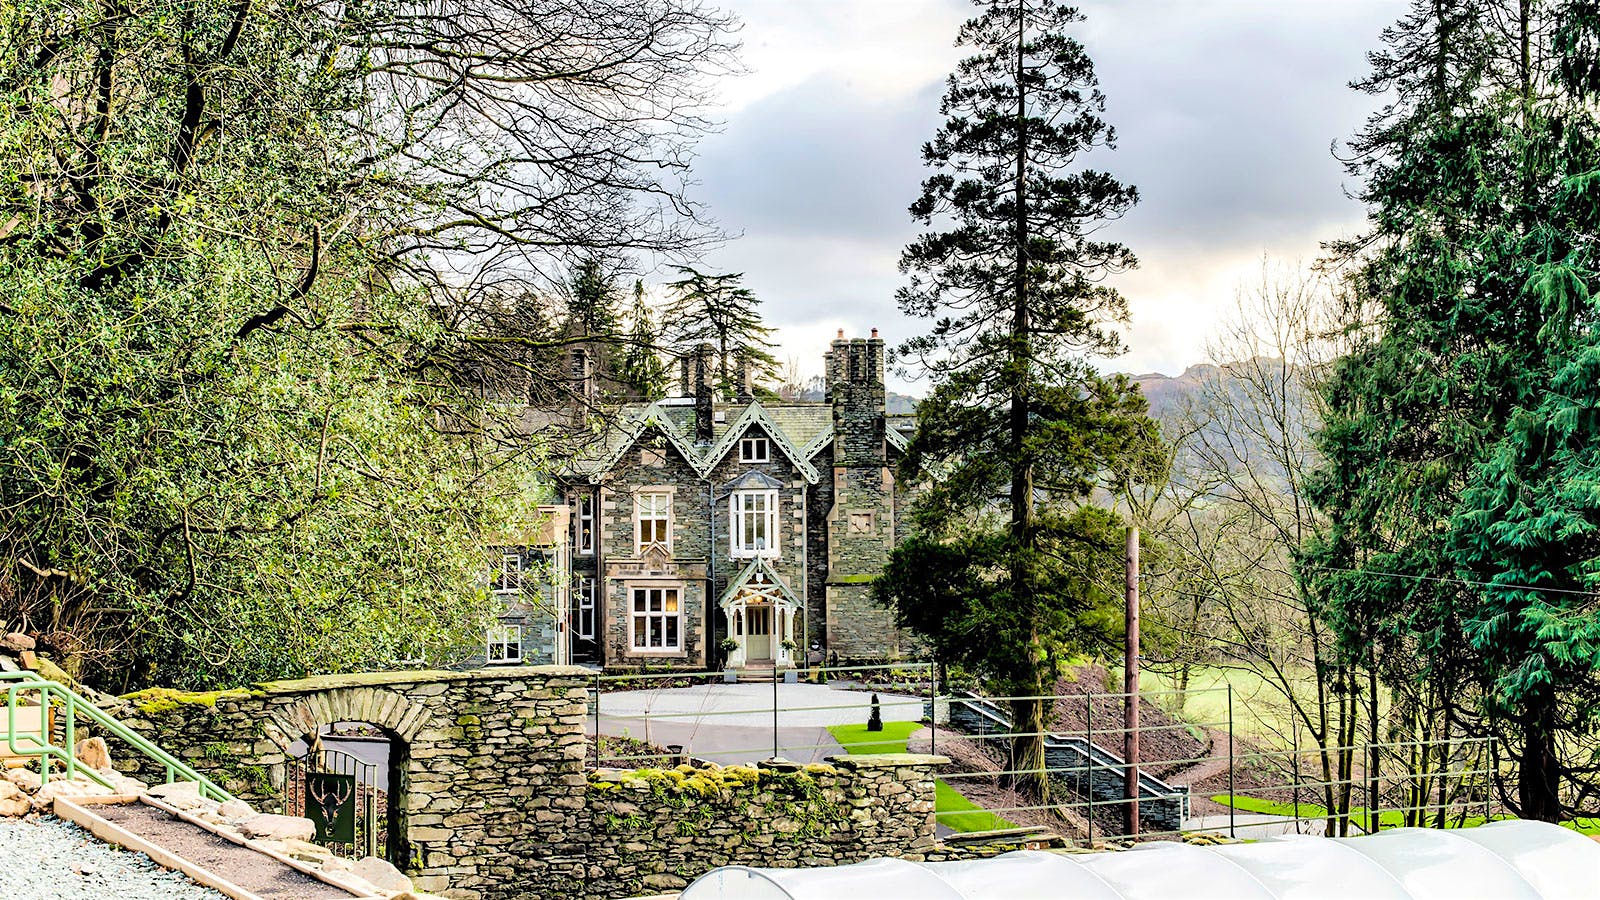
754,450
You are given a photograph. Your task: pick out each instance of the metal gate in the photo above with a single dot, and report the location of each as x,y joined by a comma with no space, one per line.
340,794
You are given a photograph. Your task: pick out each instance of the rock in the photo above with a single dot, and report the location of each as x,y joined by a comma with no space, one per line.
15,806
131,787
302,849
17,641
381,874
27,779
94,753
9,791
280,828
174,789
350,882
235,811
337,864
63,787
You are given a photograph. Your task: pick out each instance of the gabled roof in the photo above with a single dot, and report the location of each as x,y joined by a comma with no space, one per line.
754,414
894,436
653,416
823,439
762,565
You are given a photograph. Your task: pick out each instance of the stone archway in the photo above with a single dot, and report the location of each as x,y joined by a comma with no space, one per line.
313,715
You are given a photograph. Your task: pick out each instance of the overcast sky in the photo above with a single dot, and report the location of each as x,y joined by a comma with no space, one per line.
1226,111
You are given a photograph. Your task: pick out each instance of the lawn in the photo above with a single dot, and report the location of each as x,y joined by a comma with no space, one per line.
954,811
857,739
1386,818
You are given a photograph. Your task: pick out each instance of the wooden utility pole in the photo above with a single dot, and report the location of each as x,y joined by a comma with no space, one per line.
1130,686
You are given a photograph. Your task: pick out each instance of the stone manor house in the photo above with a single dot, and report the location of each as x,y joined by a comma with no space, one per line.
711,531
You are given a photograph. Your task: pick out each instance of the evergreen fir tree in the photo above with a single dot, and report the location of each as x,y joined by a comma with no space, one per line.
641,368
719,310
1439,423
1015,283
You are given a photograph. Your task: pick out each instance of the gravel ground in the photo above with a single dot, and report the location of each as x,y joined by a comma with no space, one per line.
48,859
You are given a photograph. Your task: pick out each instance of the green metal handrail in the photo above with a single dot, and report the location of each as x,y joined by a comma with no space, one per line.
73,706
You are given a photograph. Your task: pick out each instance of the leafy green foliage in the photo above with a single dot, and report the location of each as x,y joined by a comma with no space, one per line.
243,250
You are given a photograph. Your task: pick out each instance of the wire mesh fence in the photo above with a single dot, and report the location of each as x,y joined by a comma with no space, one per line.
1072,777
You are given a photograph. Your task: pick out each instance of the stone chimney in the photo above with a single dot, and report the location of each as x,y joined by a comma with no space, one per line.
744,384
686,375
855,388
583,380
704,393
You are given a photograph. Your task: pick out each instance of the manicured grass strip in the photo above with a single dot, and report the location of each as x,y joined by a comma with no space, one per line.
954,811
857,739
1358,815
957,812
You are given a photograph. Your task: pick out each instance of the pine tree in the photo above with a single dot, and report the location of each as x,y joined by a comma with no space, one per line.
592,299
1015,284
719,310
641,368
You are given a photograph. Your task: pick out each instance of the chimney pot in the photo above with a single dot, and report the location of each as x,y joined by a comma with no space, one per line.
841,335
874,332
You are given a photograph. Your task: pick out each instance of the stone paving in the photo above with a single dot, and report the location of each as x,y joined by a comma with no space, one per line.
733,723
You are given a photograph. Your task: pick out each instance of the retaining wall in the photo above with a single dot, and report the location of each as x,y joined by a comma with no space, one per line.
495,802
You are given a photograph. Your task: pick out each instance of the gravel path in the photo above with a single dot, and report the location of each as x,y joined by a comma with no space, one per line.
48,859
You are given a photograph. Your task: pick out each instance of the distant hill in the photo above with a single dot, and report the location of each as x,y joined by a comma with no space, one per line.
1169,394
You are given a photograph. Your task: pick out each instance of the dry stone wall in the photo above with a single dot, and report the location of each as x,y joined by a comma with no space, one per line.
494,801
654,831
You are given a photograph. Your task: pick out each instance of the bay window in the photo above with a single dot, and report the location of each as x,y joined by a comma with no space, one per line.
657,619
755,523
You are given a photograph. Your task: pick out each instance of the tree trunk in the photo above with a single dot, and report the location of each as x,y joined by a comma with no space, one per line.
1028,715
1538,767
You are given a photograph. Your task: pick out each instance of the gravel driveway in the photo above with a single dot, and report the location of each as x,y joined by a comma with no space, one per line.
48,859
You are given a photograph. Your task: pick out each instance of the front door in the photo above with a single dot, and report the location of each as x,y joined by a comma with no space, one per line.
758,634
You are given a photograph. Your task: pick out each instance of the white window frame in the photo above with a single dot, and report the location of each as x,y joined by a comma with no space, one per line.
585,540
506,571
740,512
586,598
503,644
748,447
639,518
668,595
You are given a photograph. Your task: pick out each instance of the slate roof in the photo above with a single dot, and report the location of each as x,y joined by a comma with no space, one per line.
800,430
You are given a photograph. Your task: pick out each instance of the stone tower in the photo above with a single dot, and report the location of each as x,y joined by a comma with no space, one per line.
861,521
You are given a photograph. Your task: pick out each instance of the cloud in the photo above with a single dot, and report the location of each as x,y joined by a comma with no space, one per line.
1225,109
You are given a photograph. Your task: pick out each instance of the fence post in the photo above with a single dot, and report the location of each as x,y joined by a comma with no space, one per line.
1231,798
1088,774
775,711
933,708
596,690
1294,768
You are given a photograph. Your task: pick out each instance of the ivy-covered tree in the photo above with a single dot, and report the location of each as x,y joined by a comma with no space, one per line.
1019,426
721,311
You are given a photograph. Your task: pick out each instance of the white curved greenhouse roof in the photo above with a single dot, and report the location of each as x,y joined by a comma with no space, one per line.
1510,860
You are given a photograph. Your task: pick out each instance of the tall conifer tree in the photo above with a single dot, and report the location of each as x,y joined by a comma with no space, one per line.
1014,280
642,369
1448,426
